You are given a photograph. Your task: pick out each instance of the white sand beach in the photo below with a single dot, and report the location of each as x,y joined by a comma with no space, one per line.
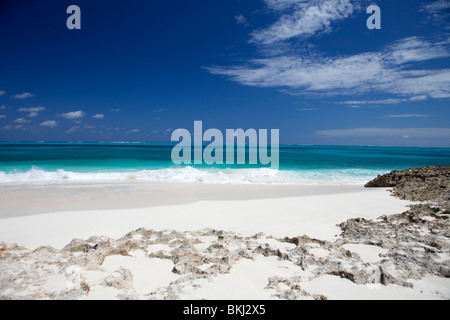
34,215
278,211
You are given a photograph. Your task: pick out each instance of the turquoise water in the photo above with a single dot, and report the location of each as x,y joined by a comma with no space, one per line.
28,162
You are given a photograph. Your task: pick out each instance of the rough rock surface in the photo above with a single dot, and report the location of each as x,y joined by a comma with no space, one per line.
418,184
415,244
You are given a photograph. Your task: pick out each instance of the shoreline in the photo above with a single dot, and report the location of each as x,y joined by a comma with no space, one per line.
221,242
114,211
53,198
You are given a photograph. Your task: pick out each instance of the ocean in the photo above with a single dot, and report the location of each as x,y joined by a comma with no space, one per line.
299,164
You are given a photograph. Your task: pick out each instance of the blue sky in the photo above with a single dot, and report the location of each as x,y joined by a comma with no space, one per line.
137,70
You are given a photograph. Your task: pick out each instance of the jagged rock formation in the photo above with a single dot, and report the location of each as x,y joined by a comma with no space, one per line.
412,245
418,184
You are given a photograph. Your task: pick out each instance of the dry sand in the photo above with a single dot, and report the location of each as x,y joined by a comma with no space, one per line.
115,209
37,215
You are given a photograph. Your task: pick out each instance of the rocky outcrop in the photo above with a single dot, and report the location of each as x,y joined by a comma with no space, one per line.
414,244
418,184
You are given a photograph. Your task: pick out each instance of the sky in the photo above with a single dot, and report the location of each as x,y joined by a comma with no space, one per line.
138,70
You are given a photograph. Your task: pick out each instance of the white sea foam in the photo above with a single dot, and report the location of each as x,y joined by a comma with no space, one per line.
194,175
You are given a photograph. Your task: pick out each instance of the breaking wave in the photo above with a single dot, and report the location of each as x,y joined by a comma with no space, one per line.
196,175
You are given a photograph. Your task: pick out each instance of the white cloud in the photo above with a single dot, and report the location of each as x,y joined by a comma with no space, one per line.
394,70
409,115
240,19
98,116
2,116
133,131
308,109
418,133
2,92
21,121
72,130
386,71
437,6
73,115
302,18
435,83
10,127
114,110
419,98
23,95
161,110
385,101
79,128
2,107
414,49
36,109
304,73
438,12
33,112
49,124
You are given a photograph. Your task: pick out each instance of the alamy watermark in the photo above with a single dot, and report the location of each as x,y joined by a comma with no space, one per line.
74,20
235,145
374,21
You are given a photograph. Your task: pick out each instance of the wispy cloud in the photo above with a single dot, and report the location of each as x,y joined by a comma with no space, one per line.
408,115
418,98
438,12
114,110
98,116
73,115
383,101
25,95
73,130
49,124
240,19
414,49
22,121
302,18
437,6
33,112
386,71
2,92
11,127
364,102
308,109
2,116
161,110
133,131
36,109
2,107
419,133
396,69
